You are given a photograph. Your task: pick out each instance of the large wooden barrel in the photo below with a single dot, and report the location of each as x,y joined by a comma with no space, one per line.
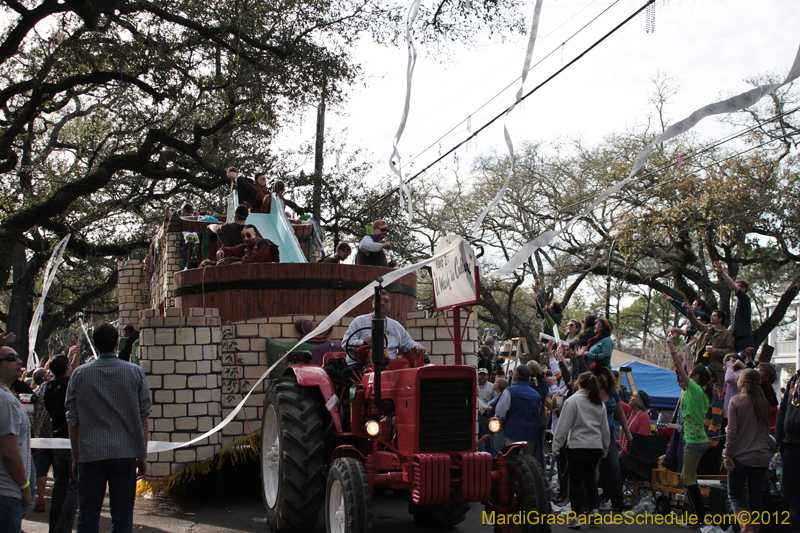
272,289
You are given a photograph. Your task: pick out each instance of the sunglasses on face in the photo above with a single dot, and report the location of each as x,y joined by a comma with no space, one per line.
384,230
12,357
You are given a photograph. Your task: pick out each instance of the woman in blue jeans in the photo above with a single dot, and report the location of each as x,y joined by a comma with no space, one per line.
747,449
610,474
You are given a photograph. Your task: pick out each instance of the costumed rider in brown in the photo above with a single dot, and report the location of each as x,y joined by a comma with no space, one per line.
255,249
231,234
372,249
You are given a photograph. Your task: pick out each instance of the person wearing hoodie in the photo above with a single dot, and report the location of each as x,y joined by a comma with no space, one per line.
584,427
787,434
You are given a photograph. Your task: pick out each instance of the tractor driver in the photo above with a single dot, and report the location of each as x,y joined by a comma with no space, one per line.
397,338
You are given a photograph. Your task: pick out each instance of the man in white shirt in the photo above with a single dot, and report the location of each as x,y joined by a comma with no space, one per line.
485,389
359,333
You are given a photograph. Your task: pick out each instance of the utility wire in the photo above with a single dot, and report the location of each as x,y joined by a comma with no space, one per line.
514,59
500,115
504,89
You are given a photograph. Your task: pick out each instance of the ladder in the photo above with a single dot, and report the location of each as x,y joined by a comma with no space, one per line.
510,353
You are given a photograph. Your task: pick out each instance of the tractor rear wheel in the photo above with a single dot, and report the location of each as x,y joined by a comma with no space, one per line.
348,507
528,493
292,469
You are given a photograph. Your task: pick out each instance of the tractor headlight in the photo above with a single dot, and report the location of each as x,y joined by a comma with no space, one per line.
495,425
373,428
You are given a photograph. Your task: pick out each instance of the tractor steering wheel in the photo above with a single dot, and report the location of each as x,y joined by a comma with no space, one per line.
350,348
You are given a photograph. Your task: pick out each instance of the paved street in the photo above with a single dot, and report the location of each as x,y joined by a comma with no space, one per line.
204,509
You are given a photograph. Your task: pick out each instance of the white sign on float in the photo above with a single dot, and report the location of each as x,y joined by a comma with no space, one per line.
455,280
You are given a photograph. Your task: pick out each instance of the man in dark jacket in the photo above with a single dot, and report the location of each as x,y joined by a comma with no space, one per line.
64,501
519,408
787,434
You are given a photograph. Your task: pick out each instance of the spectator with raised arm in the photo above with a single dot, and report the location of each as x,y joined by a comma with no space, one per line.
550,311
740,323
698,308
714,342
696,398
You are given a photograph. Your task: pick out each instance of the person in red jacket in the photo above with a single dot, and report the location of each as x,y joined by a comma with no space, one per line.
255,249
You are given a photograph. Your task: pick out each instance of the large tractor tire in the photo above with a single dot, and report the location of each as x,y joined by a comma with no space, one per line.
348,508
528,493
292,468
444,516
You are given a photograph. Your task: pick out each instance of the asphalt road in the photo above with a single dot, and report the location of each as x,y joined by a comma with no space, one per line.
231,502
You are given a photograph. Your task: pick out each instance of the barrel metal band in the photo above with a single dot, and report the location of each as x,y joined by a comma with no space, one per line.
306,283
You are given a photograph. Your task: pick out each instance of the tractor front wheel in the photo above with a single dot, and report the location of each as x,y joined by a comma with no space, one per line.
530,503
292,468
348,508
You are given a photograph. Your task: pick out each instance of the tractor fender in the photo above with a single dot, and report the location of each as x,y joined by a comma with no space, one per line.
514,449
315,376
348,451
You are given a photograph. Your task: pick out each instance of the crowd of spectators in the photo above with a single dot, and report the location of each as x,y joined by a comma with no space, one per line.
728,420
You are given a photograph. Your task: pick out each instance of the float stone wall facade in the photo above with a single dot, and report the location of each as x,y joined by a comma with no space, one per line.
199,370
133,292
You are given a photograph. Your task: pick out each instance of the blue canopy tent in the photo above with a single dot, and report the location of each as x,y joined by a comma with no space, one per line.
659,383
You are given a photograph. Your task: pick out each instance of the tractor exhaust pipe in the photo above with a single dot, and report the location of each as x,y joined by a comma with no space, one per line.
378,327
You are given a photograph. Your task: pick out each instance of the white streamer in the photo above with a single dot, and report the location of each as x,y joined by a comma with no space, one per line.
49,276
233,203
413,11
86,334
537,11
731,105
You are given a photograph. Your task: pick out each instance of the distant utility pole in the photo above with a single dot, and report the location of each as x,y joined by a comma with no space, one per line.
316,201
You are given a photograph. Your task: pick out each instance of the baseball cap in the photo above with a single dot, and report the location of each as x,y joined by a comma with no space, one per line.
523,372
482,371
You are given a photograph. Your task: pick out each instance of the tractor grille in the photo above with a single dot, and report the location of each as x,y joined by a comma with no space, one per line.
447,422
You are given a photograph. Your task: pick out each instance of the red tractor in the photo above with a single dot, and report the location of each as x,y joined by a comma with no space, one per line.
408,426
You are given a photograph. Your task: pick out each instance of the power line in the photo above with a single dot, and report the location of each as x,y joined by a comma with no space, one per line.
514,59
493,98
500,115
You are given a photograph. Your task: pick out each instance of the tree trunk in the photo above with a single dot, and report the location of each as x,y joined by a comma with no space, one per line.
316,202
646,319
20,306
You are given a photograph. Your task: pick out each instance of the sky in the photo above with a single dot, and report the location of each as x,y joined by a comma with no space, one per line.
708,47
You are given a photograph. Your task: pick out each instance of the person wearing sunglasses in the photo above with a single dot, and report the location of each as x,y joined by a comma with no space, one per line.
254,249
15,457
372,248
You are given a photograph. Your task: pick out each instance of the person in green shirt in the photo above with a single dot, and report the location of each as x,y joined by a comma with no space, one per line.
697,397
